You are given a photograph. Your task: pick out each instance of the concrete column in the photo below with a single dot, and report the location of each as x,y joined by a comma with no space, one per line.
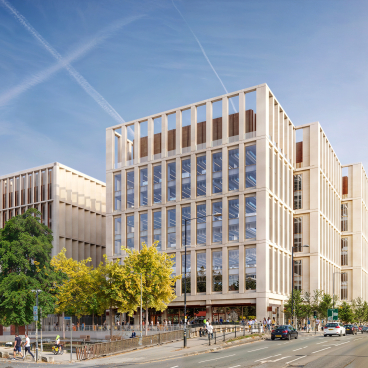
123,190
178,227
123,233
261,307
262,110
208,124
225,119
209,220
164,135
137,142
110,149
271,117
110,191
193,128
178,132
55,208
241,115
281,130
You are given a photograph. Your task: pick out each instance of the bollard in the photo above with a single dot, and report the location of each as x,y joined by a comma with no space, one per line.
235,331
223,331
209,339
215,337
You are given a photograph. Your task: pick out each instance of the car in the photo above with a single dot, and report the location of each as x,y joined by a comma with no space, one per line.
284,332
351,329
364,329
334,329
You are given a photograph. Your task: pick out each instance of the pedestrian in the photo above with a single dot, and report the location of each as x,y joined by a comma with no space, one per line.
78,326
133,335
27,347
200,332
221,321
17,346
210,330
83,326
269,323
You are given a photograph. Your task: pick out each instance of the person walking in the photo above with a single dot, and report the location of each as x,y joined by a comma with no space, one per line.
210,330
27,347
17,346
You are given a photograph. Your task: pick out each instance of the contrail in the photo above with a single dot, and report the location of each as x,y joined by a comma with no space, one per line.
80,80
204,53
48,72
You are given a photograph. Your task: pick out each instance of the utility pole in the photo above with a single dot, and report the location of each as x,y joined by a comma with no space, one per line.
41,329
35,317
141,307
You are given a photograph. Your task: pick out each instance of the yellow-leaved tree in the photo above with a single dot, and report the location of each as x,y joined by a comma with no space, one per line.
157,280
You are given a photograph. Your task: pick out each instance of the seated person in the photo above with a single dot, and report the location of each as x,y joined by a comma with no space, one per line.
133,335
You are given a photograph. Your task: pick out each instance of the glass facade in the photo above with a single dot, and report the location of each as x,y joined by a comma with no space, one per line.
130,232
250,217
217,222
298,274
250,166
130,189
201,176
250,268
171,181
185,179
297,192
143,228
344,286
234,169
217,270
185,215
117,235
344,251
233,269
143,178
185,271
157,177
201,223
217,172
171,228
117,192
298,234
234,219
344,217
201,272
157,221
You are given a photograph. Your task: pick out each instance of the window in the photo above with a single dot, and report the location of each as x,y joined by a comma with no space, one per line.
250,268
297,275
171,228
130,189
250,217
217,222
49,184
11,188
234,219
157,228
250,166
234,169
144,187
43,213
130,134
43,185
157,138
4,196
157,177
143,132
297,234
117,235
29,188
173,268
117,190
217,270
297,192
344,286
185,261
201,223
233,269
130,232
185,215
201,272
23,191
185,178
344,217
217,172
201,176
344,251
17,188
49,214
143,228
171,181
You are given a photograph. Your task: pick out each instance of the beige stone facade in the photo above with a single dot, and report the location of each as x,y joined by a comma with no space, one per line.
72,204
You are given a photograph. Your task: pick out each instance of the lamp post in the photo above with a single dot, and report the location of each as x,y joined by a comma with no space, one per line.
292,281
333,288
185,271
37,292
141,330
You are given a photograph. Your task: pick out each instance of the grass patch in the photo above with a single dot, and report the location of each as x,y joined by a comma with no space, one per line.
243,337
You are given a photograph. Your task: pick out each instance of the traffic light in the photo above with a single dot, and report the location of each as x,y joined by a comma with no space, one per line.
315,314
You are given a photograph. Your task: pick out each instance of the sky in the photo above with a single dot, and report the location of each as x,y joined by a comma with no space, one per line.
70,69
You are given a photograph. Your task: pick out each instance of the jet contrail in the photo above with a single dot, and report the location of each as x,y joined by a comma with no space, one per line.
80,80
48,72
204,53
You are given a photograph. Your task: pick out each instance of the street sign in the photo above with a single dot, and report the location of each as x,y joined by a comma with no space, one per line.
333,314
35,313
68,318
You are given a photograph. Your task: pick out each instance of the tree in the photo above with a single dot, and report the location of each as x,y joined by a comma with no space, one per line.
307,305
359,308
298,305
346,313
325,304
157,280
25,248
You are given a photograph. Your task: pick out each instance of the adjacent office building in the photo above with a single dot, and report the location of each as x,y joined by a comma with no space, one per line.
72,204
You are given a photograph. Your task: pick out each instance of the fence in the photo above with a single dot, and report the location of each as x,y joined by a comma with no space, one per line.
96,350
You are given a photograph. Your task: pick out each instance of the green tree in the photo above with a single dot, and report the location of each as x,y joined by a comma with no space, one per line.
325,304
346,313
25,248
359,308
299,310
307,305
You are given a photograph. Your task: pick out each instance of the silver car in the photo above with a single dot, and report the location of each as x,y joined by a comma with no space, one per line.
334,329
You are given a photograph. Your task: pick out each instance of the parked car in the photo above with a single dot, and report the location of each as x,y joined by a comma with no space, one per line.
334,329
351,329
364,329
284,332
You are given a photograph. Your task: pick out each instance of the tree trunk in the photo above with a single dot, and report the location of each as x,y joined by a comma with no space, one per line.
93,321
16,327
63,325
110,322
147,322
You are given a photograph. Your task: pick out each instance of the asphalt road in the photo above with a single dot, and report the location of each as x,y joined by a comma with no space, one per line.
307,351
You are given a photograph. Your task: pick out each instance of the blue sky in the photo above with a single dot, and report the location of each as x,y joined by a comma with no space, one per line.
139,58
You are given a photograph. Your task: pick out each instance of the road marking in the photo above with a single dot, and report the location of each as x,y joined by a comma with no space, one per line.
320,350
235,366
300,348
295,359
273,361
210,360
176,366
272,356
250,351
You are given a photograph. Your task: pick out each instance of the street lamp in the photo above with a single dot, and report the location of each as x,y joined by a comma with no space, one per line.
141,306
185,271
37,292
292,280
333,288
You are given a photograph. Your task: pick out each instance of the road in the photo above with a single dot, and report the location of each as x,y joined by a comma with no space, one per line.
307,351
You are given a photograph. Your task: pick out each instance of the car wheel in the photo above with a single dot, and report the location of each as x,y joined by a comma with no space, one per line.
296,336
272,338
340,334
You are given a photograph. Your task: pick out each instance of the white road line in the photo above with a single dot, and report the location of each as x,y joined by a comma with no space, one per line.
235,366
273,361
296,359
272,356
250,351
301,348
176,366
320,350
210,360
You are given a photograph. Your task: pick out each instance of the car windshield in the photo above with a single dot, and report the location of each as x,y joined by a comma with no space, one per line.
332,324
348,326
282,327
